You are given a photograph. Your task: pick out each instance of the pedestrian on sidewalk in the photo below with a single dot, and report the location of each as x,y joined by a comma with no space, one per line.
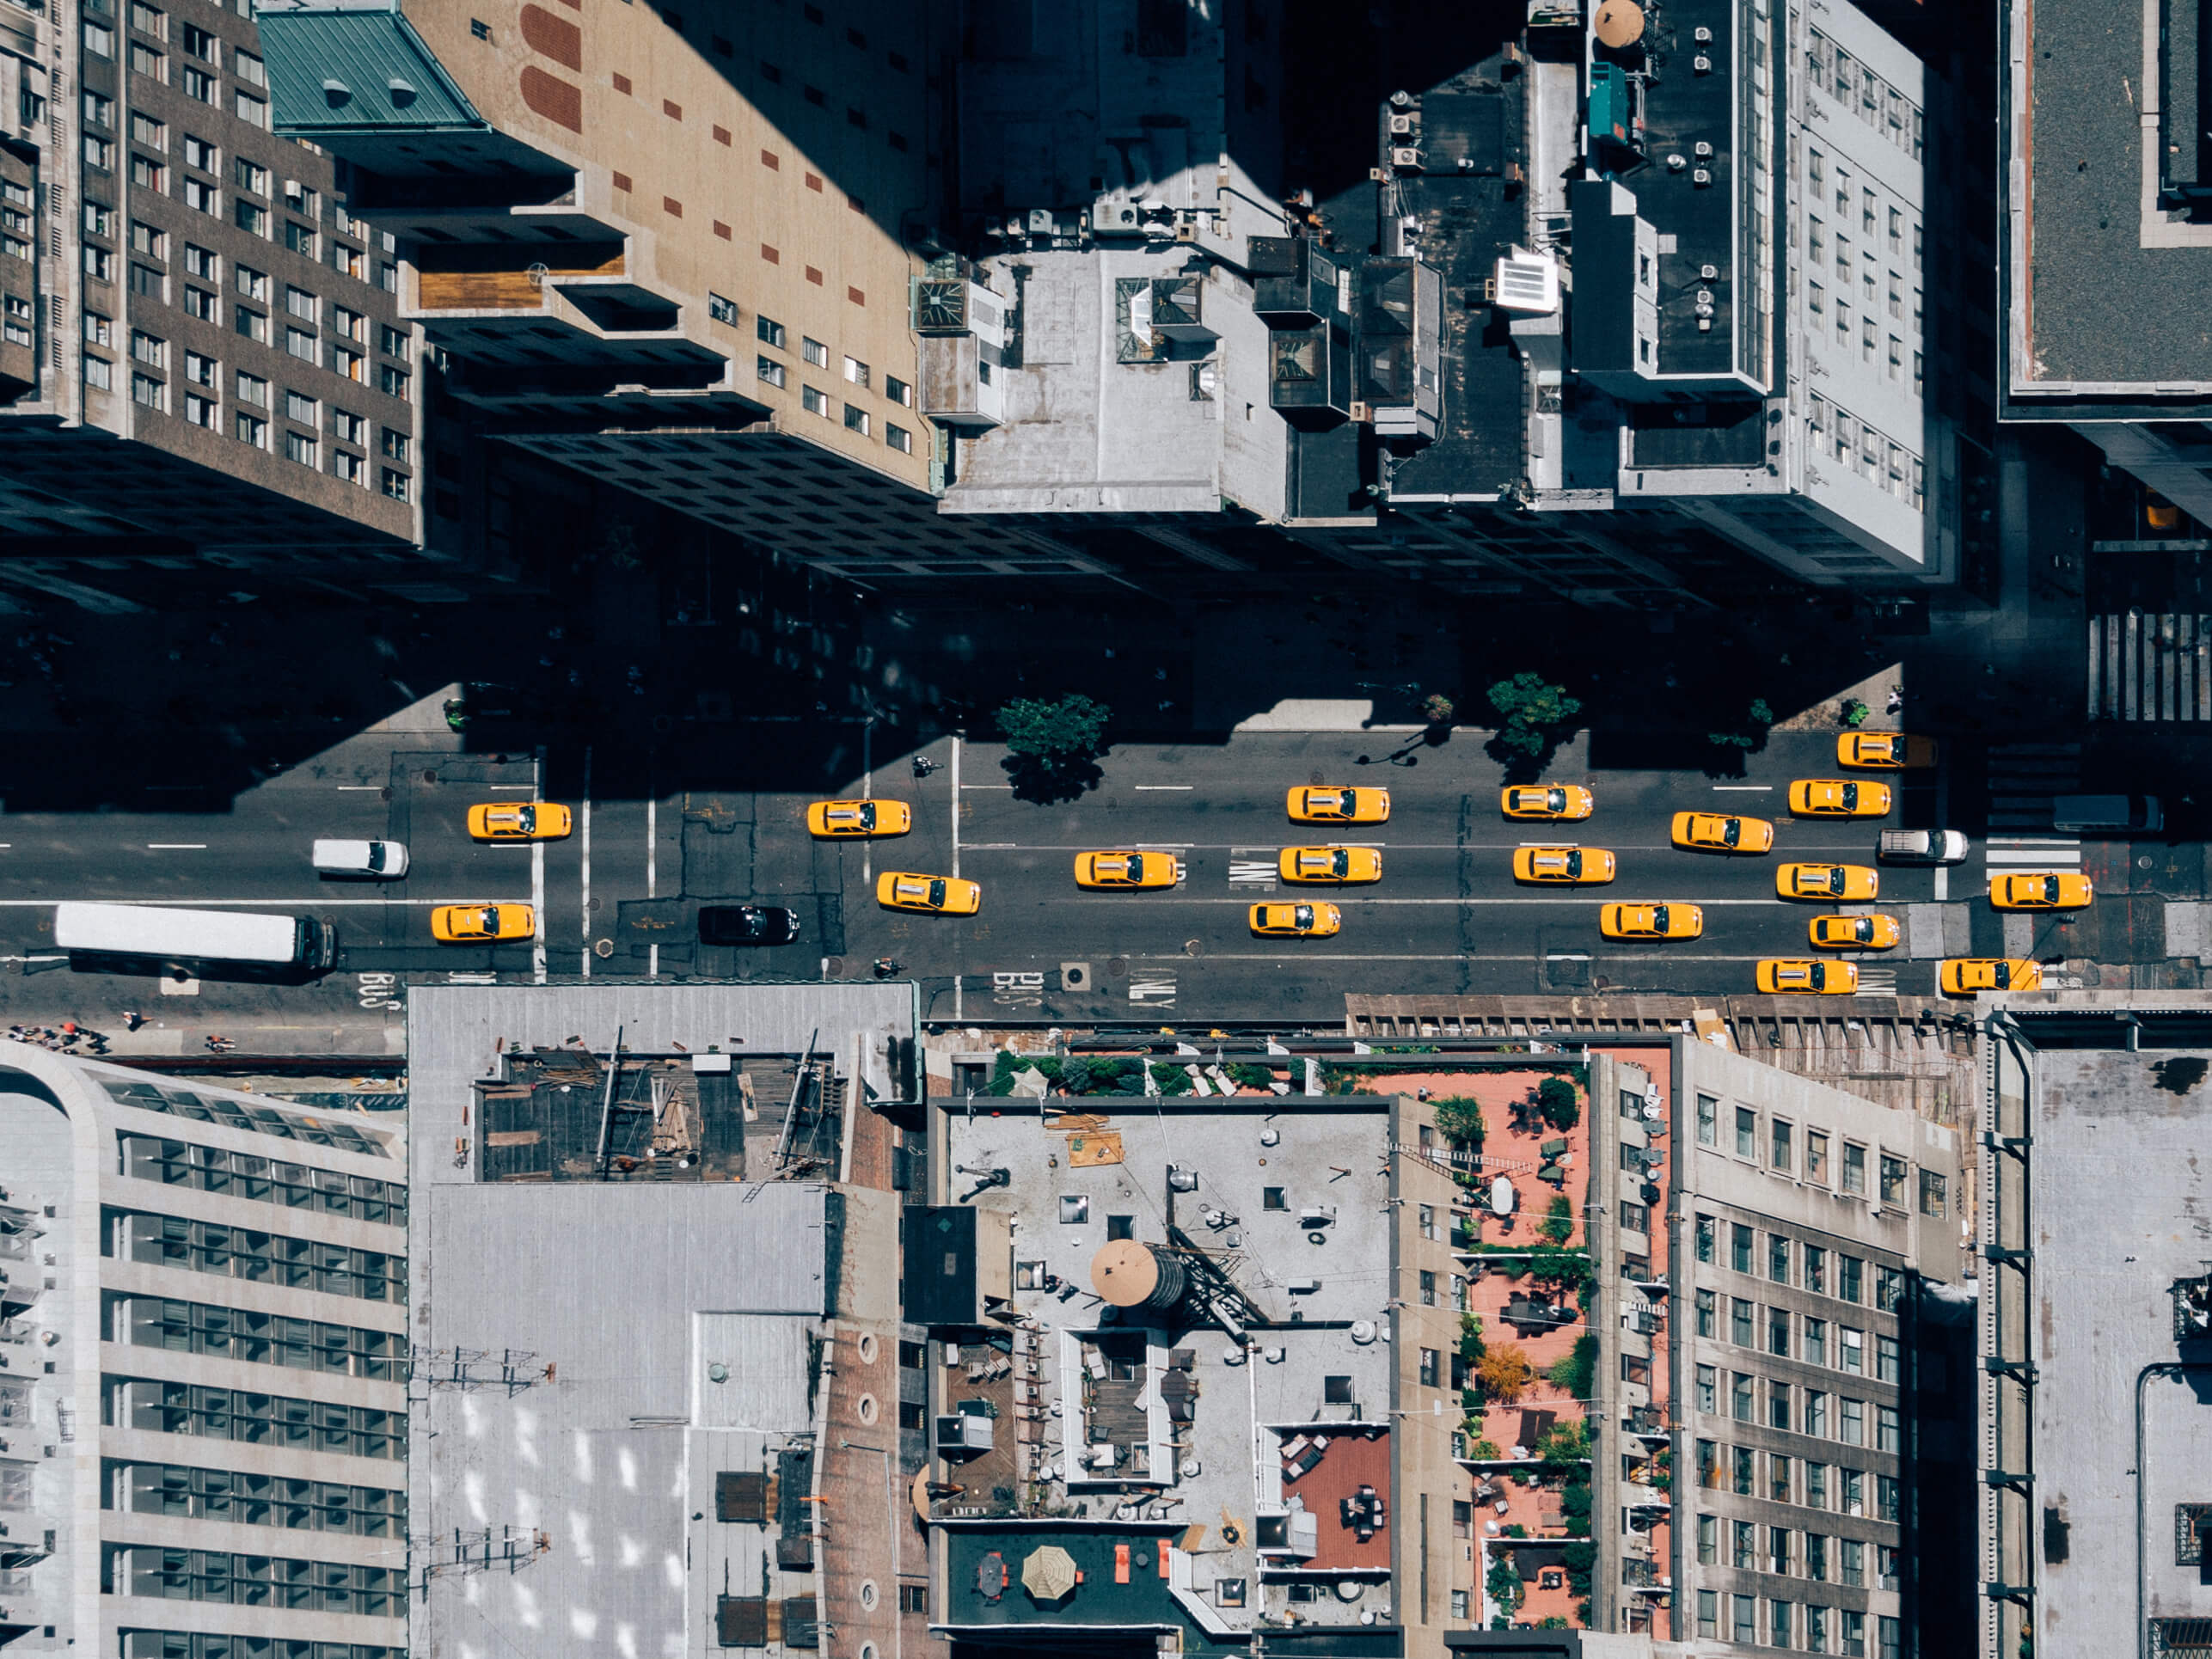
132,1020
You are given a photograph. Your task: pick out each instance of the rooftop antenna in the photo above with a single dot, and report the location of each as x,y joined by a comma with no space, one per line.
606,1104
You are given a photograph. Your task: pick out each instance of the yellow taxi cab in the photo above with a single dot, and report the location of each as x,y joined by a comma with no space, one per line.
949,895
520,820
1580,866
1787,978
1651,921
1838,798
2041,889
859,817
1297,920
1322,805
1723,832
1546,800
479,924
1333,864
1964,976
1868,933
1127,870
1892,751
1854,884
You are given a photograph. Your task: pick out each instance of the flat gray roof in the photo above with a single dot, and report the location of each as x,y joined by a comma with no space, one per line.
2097,306
2120,1202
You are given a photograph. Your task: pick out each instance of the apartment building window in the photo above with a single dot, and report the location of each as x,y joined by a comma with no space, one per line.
1777,1551
199,84
252,324
350,364
1815,1557
1889,1429
1778,1259
1850,1350
395,445
1706,1315
1888,1360
1888,1288
300,407
856,371
99,218
1778,1405
1708,1614
1816,1154
203,198
1708,1117
1705,1384
99,263
1708,1464
1747,1133
769,332
1781,1151
201,263
1426,1219
1851,1422
396,485
770,370
345,260
20,318
1739,1247
99,373
350,467
1843,322
300,303
351,324
1815,1630
814,402
721,310
98,330
814,351
260,1500
145,61
299,199
1777,1477
147,19
1746,1628
301,344
1740,1322
1708,1541
201,411
1854,1633
1854,1167
1428,1288
1702,1237
1815,1478
1746,1470
1889,1636
1815,1259
1815,240
1893,1179
250,218
149,176
898,391
1430,1370
151,392
856,419
1885,1567
1888,1499
149,283
201,371
348,427
1851,1488
299,447
1816,1415
1459,1293
99,40
301,239
1742,1545
253,389
252,429
1739,1396
150,349
1780,1616
1778,1333
255,112
1848,1283
392,382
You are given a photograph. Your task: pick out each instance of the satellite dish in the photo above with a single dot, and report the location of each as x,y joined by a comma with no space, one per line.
1619,23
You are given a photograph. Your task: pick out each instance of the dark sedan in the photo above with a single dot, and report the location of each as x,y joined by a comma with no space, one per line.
747,924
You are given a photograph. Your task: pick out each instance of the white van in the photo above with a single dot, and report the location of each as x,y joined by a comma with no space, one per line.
377,860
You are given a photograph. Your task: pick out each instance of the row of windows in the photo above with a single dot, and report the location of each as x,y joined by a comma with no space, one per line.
1810,1628
204,1644
237,1114
254,1419
1859,447
1795,1480
1859,89
256,1581
259,1339
1786,1261
247,1175
857,418
251,107
1787,1336
261,1257
1815,1556
1811,1412
257,1500
1780,1145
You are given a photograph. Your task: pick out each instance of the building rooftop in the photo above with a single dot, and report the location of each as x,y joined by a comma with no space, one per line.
2104,278
619,1383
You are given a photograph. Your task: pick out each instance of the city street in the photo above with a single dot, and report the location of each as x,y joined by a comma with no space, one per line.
619,898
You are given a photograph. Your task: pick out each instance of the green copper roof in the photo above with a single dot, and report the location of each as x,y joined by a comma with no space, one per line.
337,69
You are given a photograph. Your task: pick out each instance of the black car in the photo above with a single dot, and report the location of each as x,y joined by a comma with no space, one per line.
747,924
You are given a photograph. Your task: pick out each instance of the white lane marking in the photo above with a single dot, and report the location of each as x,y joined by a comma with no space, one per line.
587,861
867,793
652,870
1348,897
491,787
1296,955
316,902
993,846
983,786
1163,786
176,846
1743,789
377,786
1795,846
956,835
538,878
1141,845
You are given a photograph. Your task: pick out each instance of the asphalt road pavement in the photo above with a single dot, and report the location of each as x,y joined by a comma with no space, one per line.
619,898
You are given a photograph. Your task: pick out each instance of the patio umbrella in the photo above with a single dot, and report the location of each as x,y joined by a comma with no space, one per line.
1049,1573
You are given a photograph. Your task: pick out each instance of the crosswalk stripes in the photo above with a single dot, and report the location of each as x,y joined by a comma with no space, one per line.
2023,779
1253,867
2146,666
2032,852
1878,981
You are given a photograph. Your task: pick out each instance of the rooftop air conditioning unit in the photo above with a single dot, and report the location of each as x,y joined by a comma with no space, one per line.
1316,1215
1526,282
1701,65
961,1432
1401,126
1704,150
1702,177
1702,36
1405,158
